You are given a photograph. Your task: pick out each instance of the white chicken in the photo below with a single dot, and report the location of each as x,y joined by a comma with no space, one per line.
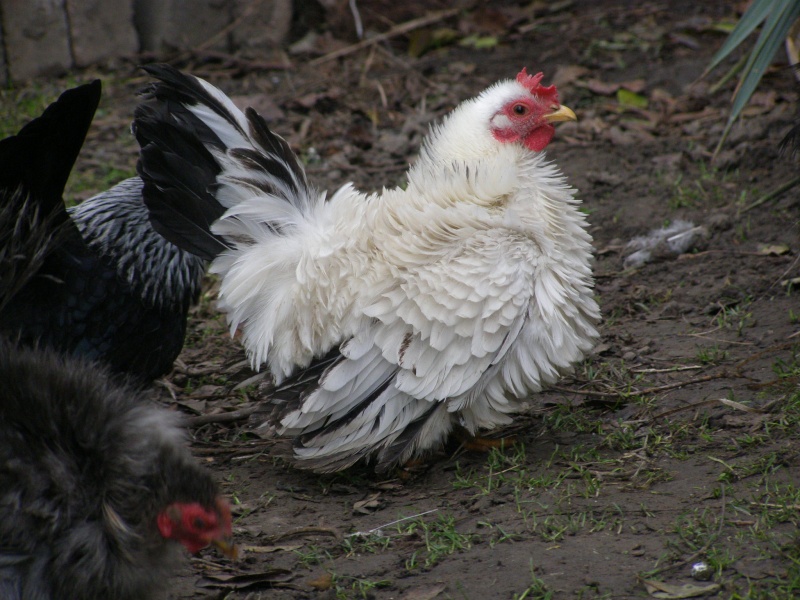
401,313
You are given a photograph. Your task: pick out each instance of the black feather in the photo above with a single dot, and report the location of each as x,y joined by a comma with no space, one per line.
98,282
41,156
85,467
180,154
178,173
274,144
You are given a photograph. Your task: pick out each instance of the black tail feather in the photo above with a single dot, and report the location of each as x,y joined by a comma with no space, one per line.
179,174
175,89
275,145
175,163
41,156
183,126
34,167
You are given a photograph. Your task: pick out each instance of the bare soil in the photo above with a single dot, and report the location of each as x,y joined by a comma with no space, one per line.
676,442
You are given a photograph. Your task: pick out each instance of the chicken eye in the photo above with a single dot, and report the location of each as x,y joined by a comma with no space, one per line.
520,110
199,523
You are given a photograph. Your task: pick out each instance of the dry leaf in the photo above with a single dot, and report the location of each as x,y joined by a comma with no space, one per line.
368,505
268,549
267,578
425,592
567,74
773,249
674,591
636,86
601,87
324,582
793,281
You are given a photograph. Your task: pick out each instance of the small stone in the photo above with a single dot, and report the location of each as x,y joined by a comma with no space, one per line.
701,571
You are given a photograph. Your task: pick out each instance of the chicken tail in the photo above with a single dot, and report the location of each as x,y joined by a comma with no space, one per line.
201,157
34,167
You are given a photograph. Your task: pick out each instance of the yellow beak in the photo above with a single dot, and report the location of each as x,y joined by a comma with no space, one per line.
226,547
562,113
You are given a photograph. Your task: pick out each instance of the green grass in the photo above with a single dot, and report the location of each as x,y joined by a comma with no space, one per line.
439,538
708,187
347,587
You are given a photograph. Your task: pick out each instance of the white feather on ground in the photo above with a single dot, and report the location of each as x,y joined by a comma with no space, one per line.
676,238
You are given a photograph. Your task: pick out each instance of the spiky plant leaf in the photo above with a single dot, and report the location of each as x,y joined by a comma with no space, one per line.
752,18
778,17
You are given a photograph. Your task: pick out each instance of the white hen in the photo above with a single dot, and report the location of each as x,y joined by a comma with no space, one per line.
404,312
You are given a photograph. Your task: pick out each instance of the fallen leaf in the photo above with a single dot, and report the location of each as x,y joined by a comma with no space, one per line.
601,87
793,281
672,591
268,549
773,249
324,582
631,99
425,592
479,42
270,577
566,74
368,505
636,86
638,550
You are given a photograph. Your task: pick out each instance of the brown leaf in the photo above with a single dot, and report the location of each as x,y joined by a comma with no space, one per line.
674,591
566,74
368,505
636,86
269,577
322,583
602,88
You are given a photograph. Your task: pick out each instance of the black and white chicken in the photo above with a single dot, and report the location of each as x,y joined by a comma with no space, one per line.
97,489
405,312
110,288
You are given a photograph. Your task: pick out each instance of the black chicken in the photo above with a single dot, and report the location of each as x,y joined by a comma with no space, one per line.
109,288
97,490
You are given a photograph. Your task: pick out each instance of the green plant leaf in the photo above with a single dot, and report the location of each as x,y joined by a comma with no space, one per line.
771,38
752,18
628,98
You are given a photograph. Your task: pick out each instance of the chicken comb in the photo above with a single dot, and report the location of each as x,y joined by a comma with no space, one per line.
532,83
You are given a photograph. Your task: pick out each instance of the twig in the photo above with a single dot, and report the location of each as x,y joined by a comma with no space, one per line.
332,531
773,505
226,417
669,369
378,529
644,392
773,194
393,32
673,411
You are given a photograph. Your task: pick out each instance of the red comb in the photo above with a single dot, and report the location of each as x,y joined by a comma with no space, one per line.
532,83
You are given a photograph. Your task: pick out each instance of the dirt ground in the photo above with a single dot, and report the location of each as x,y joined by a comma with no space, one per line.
675,443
